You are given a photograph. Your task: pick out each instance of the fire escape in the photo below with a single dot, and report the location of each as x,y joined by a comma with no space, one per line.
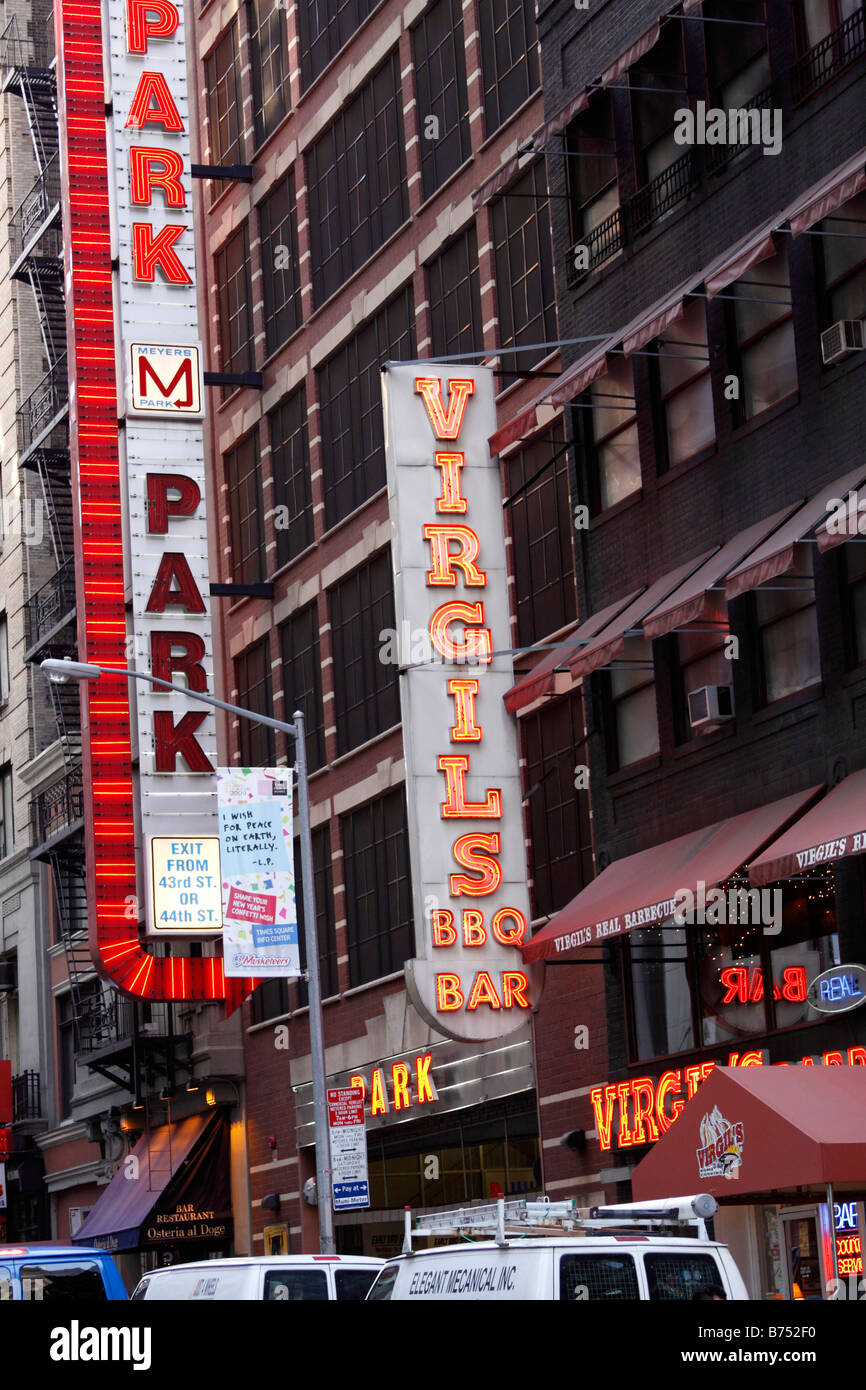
131,1044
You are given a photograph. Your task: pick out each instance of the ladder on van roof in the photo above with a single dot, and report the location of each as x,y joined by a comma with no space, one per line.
523,1218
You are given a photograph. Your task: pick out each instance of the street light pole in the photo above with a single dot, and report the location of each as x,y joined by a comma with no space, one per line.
59,670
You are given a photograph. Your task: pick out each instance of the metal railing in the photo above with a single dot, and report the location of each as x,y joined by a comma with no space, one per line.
25,51
26,1097
718,156
109,1017
829,58
43,405
51,605
34,209
58,806
672,186
602,243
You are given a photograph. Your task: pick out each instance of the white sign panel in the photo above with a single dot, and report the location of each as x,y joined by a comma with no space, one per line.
464,796
348,1135
260,924
159,371
186,884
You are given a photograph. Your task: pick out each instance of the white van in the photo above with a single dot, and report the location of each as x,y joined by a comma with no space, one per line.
614,1254
283,1278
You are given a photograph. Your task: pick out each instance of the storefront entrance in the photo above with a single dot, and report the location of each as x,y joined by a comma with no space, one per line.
803,1256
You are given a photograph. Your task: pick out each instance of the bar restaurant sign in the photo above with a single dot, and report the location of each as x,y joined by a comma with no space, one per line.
136,432
466,833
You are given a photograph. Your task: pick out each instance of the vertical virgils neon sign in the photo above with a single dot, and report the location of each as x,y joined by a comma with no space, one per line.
462,777
137,466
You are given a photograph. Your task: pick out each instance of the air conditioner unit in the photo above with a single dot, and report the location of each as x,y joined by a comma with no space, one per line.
845,337
711,705
77,1218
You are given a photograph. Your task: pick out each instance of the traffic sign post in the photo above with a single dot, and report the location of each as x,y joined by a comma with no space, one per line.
348,1135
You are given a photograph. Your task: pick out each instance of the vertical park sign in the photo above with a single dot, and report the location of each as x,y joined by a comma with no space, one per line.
466,836
137,455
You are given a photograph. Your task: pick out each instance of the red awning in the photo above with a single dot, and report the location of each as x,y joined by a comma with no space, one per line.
778,553
639,891
609,643
839,528
570,384
728,267
545,133
631,55
501,179
542,679
828,195
834,829
762,1129
653,321
702,597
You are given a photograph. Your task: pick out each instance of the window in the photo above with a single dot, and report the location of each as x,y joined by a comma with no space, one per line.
738,66
302,679
440,89
325,930
613,441
7,812
764,335
509,58
350,397
724,984
665,172
356,174
269,55
633,695
538,498
235,305
246,510
290,468
685,388
352,1284
701,661
4,659
681,1277
524,268
225,122
378,890
831,34
324,26
553,745
593,187
270,1000
366,690
281,279
253,682
611,1277
788,631
844,261
307,1285
455,298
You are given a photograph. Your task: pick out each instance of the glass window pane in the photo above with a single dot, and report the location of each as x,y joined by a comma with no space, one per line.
660,989
690,421
296,1285
769,370
791,655
609,1277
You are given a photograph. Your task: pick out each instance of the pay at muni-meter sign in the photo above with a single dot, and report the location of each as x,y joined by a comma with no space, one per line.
466,838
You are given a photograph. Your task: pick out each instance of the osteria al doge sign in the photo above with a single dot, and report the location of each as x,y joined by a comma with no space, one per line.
466,837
